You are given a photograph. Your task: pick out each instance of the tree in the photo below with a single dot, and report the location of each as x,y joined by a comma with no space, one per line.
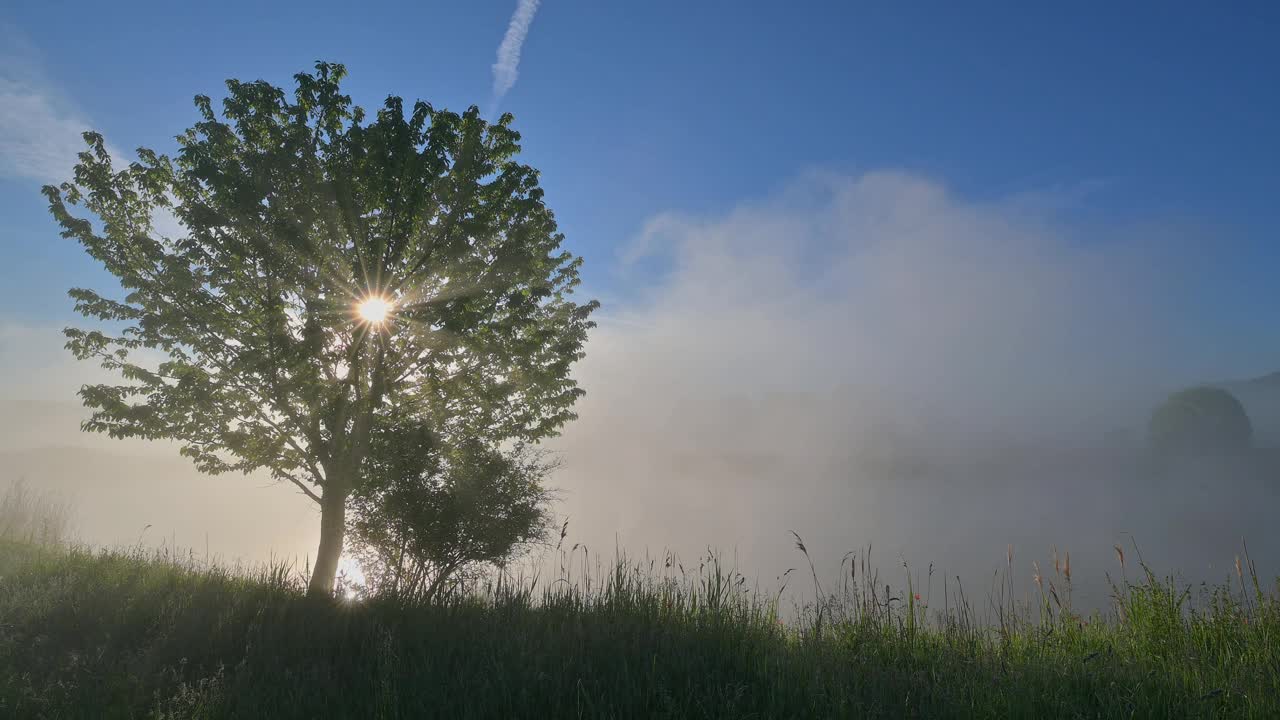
1200,420
430,518
335,280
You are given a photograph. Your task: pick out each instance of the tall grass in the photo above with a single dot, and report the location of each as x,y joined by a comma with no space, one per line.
133,634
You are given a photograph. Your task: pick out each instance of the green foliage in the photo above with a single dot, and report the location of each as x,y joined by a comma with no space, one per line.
432,519
1200,420
239,337
123,635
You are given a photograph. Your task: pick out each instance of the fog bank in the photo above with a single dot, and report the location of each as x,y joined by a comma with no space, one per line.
861,359
872,360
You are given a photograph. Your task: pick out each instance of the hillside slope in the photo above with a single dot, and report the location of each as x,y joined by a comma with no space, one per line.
126,636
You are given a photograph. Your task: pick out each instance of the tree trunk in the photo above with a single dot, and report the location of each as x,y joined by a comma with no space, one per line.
333,528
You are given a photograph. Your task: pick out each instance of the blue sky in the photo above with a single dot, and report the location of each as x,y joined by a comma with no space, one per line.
1122,115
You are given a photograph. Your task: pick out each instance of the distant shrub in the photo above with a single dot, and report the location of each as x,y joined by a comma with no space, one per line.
1200,420
31,516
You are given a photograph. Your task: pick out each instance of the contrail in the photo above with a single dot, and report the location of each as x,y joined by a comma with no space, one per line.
505,69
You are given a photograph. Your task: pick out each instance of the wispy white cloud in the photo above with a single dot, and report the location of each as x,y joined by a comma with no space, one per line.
506,68
40,131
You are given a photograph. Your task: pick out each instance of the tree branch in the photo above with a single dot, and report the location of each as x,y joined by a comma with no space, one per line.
303,487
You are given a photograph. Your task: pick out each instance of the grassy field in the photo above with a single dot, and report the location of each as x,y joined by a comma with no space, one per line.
134,634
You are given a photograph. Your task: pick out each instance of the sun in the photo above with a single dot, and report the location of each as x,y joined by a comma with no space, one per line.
374,309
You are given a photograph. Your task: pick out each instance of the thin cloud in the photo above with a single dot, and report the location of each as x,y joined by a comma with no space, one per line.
40,133
506,68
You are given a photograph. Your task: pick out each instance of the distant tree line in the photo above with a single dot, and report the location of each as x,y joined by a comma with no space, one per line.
1200,420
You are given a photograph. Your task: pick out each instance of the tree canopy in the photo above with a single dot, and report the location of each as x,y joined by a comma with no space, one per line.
239,336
